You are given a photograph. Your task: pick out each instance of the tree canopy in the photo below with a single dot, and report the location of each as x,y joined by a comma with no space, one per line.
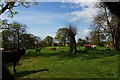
49,40
9,6
62,35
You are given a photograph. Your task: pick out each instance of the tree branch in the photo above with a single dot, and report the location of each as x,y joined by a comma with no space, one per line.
7,6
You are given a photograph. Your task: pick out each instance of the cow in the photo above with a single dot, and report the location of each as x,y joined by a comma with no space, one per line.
108,46
94,46
52,48
6,75
12,56
89,46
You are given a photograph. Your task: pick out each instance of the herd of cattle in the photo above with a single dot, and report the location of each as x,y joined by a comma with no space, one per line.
86,47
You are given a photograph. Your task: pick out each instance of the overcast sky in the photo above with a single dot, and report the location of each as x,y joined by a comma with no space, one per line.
47,17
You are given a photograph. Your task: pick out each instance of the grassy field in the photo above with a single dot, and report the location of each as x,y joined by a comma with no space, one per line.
99,63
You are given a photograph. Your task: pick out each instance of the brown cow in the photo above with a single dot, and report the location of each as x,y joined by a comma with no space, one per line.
52,48
89,46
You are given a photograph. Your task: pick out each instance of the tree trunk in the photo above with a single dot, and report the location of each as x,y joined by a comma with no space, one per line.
99,44
64,43
73,45
70,47
18,41
7,7
115,45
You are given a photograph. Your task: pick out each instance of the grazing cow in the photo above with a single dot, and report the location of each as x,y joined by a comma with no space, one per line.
89,46
12,56
52,48
94,46
108,46
38,50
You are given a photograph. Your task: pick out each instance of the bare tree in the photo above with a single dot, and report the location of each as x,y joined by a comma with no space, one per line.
109,24
72,32
17,29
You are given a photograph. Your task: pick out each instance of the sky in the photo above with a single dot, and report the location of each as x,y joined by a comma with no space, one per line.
47,17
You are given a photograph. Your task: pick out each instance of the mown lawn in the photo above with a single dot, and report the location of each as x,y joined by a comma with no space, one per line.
100,63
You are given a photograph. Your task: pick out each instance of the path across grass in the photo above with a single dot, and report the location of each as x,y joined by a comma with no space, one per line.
60,63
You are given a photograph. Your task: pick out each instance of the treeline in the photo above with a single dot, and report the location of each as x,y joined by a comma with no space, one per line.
15,35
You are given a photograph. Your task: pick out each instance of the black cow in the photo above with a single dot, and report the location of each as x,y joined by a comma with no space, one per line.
12,56
6,74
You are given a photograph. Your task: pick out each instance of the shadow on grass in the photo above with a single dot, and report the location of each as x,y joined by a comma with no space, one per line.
24,73
40,54
83,54
90,54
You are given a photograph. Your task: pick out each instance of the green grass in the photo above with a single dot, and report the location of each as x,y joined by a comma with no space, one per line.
99,63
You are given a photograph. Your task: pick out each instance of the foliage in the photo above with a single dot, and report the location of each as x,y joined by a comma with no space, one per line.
42,44
49,40
109,24
62,35
9,6
12,34
67,35
97,37
17,36
81,42
29,40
